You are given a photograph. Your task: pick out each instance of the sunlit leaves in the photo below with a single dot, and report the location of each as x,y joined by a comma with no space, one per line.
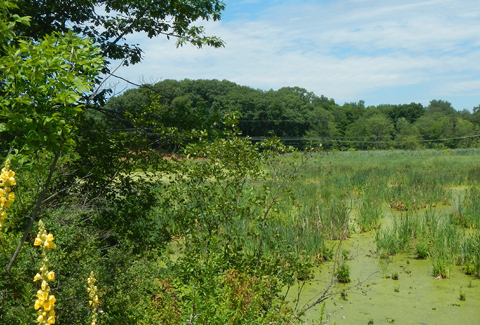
43,82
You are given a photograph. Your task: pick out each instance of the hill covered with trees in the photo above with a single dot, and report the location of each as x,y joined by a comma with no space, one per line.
297,115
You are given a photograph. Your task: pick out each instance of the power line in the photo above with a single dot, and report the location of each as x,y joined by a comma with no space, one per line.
339,139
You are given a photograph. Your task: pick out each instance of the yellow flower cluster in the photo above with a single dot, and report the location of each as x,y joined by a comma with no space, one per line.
45,240
45,302
92,293
7,196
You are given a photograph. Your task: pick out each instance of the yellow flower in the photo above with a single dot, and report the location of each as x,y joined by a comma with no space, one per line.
51,276
42,297
51,245
49,242
39,302
45,302
40,318
37,242
47,306
11,196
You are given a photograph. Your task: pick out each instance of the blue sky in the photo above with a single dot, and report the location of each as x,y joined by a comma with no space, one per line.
382,52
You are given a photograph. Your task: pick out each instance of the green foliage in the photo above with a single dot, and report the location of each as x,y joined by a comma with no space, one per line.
213,233
110,22
343,273
43,82
304,117
468,215
122,202
370,213
9,22
422,250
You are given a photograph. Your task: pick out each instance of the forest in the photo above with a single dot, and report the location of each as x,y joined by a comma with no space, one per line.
300,117
204,202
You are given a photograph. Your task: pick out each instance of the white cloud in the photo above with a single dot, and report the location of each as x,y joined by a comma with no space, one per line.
344,49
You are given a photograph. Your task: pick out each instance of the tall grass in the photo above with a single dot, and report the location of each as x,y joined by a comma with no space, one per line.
468,215
345,192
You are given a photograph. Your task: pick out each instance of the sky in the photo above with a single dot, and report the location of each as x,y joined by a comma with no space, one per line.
382,52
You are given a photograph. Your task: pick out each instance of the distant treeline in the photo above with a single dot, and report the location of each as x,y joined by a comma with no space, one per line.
301,117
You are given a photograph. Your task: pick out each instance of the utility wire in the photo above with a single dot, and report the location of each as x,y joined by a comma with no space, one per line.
320,139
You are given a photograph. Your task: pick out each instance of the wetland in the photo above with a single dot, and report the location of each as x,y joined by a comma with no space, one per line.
408,225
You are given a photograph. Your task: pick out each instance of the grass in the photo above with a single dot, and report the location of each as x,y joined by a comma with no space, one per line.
358,189
342,193
404,198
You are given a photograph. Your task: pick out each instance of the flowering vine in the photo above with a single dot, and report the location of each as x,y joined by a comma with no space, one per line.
45,302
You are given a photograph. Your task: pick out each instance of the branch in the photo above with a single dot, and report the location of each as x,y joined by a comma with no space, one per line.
75,183
103,82
37,207
327,293
126,80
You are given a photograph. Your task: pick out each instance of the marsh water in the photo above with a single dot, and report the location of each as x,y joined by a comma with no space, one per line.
417,297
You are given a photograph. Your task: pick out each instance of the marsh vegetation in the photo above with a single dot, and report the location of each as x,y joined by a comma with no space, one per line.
409,216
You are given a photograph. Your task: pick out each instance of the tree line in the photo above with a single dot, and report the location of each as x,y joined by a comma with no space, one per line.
301,117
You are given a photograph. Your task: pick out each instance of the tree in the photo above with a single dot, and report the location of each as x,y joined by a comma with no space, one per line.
109,22
357,134
322,124
347,114
376,130
475,116
381,129
440,106
408,135
436,126
43,81
466,130
411,112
